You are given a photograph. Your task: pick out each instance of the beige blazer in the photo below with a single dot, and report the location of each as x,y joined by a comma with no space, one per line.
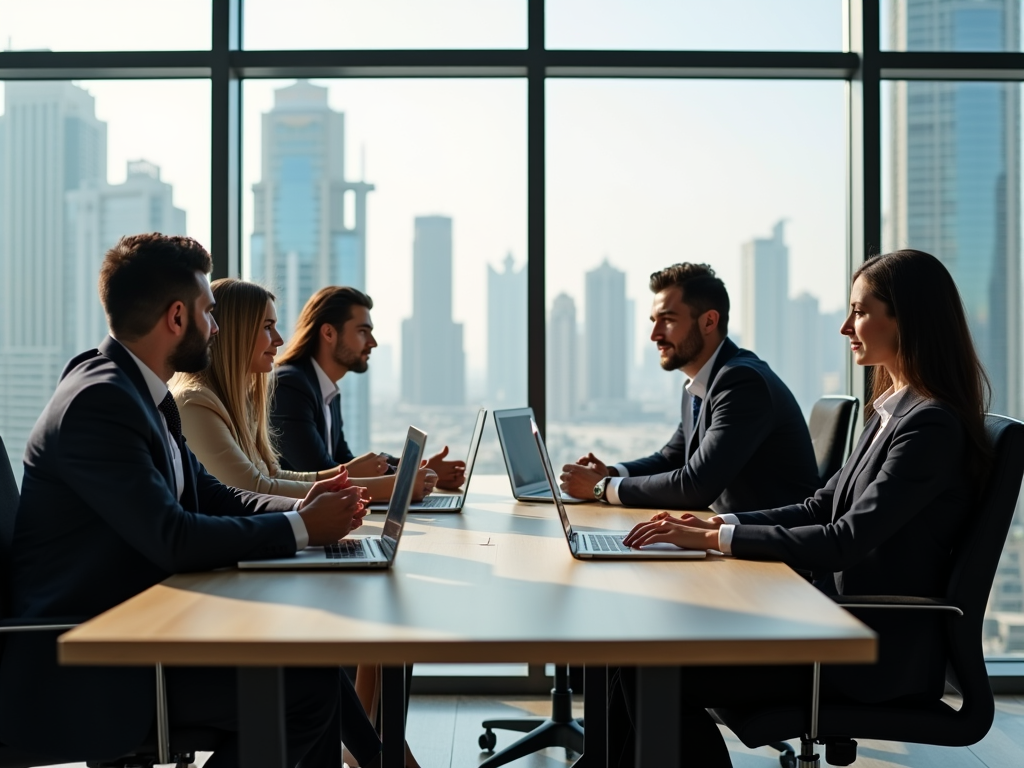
212,437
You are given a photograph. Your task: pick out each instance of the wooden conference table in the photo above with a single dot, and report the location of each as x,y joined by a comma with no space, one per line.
493,584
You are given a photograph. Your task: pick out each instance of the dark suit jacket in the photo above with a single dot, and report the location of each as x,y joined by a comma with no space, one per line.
98,523
297,415
884,525
751,449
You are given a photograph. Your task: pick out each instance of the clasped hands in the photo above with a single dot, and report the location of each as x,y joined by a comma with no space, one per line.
449,475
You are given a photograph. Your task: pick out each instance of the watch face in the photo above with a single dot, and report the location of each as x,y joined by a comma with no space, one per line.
599,489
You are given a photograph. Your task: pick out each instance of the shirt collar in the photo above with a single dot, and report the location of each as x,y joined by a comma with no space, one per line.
885,405
328,389
698,385
156,386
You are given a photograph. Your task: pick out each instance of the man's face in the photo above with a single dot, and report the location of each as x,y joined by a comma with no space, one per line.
676,331
354,342
193,351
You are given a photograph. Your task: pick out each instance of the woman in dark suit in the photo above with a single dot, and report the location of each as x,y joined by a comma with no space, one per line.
886,523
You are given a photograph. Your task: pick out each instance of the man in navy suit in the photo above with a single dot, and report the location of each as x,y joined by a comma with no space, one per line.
742,443
113,502
333,337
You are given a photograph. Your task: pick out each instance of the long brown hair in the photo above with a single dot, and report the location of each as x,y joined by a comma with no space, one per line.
332,305
241,311
935,351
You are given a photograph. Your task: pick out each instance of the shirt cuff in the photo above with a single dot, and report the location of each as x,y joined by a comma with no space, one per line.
611,493
621,469
298,528
727,519
725,539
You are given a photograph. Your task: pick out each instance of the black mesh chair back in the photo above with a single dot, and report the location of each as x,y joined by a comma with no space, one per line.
831,425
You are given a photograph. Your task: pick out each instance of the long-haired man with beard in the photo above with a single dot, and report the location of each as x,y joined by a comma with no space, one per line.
742,443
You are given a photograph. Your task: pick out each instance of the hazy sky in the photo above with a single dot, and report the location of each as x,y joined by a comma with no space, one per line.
643,172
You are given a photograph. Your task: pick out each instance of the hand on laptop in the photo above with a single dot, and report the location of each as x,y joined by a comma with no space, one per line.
331,513
367,465
665,528
592,462
450,474
579,481
426,479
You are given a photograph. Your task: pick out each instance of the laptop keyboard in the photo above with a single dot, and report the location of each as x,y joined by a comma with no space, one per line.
606,542
345,549
440,501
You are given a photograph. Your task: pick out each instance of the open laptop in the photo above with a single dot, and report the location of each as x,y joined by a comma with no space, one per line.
585,545
364,551
525,471
448,502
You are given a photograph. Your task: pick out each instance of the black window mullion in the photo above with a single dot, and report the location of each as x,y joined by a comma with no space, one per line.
536,212
226,146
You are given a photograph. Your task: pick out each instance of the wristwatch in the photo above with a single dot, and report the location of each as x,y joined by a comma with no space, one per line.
600,488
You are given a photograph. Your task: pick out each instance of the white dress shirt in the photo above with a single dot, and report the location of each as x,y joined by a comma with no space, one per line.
328,391
885,407
158,391
697,387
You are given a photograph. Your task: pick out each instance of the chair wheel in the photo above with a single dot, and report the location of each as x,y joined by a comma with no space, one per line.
487,740
787,760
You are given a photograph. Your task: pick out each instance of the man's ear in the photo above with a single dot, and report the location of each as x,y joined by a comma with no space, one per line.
709,322
328,332
176,318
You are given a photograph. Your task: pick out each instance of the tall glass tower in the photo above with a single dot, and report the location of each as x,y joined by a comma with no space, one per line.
955,183
309,227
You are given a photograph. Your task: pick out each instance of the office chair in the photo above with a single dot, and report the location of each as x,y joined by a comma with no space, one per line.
559,730
963,608
162,745
831,425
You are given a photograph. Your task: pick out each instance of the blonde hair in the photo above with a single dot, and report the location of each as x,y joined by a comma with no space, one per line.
240,313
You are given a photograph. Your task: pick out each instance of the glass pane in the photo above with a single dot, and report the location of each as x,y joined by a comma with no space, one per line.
82,164
414,191
643,174
400,24
107,25
951,25
798,25
951,165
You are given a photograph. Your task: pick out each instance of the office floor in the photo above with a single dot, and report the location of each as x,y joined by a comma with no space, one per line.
443,733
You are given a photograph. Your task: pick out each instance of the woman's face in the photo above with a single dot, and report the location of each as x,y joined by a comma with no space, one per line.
872,331
267,342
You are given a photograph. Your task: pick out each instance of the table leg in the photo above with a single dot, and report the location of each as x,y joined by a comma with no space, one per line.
658,708
595,713
261,732
392,697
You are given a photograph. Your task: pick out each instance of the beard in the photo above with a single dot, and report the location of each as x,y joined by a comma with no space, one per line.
350,359
685,352
193,351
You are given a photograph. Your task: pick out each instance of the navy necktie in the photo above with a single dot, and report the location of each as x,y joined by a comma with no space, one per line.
169,409
695,402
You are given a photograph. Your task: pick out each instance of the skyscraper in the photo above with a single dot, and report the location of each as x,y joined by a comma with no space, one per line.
52,143
955,183
605,337
563,352
765,292
309,221
98,215
433,361
506,335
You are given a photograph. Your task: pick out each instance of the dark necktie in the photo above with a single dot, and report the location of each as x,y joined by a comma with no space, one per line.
169,409
695,402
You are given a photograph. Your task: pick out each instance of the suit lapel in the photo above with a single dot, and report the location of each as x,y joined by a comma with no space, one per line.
853,467
336,425
306,366
725,354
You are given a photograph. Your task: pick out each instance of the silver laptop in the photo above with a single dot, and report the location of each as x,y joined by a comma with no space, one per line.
585,545
525,471
448,502
364,551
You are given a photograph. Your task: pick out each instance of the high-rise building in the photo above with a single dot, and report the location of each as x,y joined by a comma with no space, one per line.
309,221
605,337
803,371
506,335
433,361
52,143
765,291
955,182
562,356
98,215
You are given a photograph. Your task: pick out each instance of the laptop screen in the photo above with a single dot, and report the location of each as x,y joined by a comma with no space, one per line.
549,474
474,446
415,442
521,457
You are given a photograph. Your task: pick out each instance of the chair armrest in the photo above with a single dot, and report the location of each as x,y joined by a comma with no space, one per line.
896,602
39,625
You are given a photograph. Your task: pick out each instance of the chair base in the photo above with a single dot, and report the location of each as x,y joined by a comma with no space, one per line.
541,733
